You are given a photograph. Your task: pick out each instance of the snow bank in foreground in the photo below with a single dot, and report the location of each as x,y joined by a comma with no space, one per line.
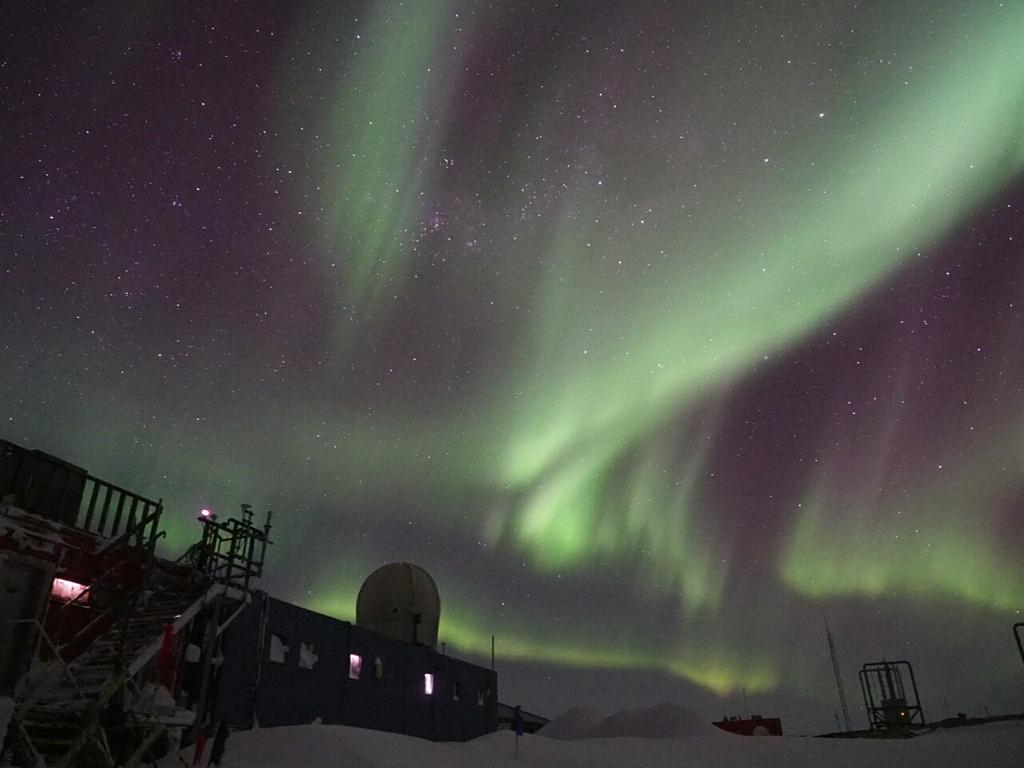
665,721
997,745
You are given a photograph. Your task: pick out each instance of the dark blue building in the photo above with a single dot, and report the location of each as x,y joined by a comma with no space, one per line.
286,665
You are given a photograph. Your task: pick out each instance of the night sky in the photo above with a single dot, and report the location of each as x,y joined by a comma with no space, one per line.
657,332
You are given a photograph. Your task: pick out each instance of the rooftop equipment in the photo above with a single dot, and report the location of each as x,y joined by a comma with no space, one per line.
888,703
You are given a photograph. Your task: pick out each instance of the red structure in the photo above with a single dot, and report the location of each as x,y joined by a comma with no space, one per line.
755,725
62,532
107,649
115,656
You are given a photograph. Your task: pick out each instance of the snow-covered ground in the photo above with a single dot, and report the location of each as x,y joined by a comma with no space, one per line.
662,737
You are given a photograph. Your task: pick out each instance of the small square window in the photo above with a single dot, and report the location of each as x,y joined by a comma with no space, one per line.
307,656
428,683
278,648
355,666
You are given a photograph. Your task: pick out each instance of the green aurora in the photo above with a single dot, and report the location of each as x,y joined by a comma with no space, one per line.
642,314
580,312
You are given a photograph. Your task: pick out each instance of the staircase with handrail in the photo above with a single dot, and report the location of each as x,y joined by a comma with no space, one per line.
77,716
80,710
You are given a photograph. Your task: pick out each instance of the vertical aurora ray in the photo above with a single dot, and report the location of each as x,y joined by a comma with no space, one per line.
384,126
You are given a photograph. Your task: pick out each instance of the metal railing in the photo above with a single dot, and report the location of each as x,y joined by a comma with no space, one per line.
114,512
128,661
58,666
231,552
53,489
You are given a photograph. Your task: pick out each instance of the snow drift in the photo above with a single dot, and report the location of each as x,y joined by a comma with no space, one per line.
665,721
996,745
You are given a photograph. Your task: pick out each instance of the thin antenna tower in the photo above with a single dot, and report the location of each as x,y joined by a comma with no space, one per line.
839,677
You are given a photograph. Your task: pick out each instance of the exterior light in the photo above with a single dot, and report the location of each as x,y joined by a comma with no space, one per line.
206,514
66,590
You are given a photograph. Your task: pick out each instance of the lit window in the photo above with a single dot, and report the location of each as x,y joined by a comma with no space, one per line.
355,665
66,590
428,683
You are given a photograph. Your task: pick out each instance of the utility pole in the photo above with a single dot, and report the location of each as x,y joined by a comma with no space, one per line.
839,677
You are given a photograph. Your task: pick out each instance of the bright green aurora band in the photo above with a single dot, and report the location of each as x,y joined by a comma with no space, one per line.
639,297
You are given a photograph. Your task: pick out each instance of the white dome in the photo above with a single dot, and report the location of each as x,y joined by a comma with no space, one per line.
400,600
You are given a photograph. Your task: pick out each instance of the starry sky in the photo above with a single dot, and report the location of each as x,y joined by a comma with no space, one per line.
658,332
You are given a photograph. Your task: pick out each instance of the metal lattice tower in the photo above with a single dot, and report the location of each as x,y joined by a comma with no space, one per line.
839,677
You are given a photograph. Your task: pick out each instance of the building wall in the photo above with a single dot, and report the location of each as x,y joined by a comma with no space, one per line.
24,585
259,678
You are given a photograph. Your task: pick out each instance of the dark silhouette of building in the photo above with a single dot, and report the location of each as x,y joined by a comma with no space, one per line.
114,654
285,665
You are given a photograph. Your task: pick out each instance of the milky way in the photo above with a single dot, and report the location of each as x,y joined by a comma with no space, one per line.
657,333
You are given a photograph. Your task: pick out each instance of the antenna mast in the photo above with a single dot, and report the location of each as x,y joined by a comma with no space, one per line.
839,677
